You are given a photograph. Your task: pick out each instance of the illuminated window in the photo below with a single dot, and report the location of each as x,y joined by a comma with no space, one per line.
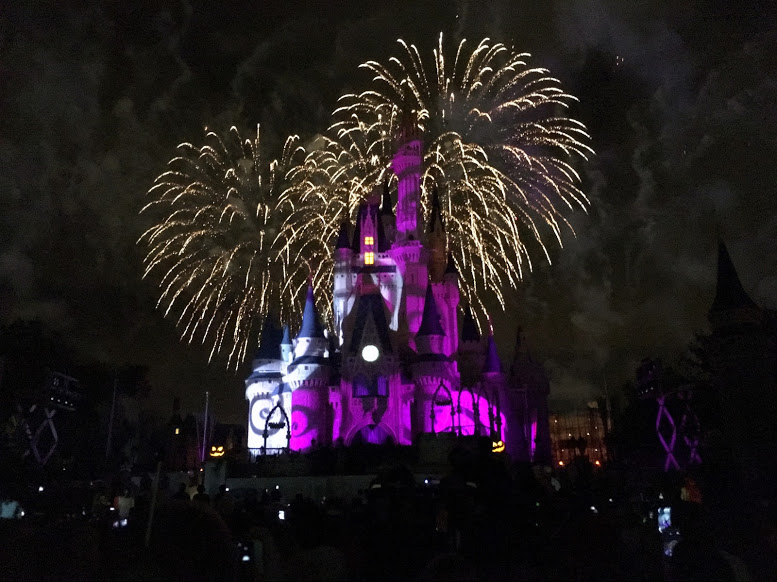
177,430
368,240
369,258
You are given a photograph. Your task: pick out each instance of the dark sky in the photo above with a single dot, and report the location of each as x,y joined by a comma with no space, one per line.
680,100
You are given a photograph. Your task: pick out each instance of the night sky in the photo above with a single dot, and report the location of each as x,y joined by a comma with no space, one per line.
680,99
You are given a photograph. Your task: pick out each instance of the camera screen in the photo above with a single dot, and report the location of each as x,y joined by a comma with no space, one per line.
664,518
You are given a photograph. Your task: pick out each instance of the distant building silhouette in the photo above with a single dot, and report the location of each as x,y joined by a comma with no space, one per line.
742,352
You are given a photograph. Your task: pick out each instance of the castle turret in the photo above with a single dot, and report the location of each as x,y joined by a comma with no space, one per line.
434,373
471,350
287,348
407,251
264,388
407,166
493,387
308,376
430,332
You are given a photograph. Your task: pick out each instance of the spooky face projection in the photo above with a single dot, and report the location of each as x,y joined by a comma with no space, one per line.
497,446
260,409
217,451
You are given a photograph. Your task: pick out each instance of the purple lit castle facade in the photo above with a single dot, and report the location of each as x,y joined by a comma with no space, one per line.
396,364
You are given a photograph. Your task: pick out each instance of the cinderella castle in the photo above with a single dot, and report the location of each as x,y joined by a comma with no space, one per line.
403,359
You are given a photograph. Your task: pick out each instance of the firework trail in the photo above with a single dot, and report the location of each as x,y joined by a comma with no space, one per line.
217,249
497,146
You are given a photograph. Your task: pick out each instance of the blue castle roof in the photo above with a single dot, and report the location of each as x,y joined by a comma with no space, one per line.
311,325
269,343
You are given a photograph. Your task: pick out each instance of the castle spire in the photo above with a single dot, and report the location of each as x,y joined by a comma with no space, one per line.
407,165
732,305
492,364
430,321
729,293
311,325
269,343
386,208
469,329
343,241
450,268
435,216
356,245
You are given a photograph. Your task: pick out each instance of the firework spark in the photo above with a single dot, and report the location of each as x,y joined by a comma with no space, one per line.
497,146
217,248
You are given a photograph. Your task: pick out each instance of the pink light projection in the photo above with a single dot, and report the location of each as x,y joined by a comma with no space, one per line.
464,421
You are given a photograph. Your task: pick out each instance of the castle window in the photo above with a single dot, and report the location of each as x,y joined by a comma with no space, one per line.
369,258
369,241
364,387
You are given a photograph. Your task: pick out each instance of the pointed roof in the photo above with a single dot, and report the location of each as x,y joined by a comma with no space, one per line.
729,293
343,241
386,206
383,242
469,329
435,215
430,321
450,268
311,325
269,342
492,364
356,244
286,340
519,339
371,305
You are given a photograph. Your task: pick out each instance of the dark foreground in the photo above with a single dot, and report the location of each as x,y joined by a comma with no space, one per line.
487,526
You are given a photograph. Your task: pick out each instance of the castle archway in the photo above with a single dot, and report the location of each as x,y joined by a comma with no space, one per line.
371,434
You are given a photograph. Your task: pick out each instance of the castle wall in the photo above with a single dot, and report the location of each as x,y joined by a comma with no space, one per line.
309,416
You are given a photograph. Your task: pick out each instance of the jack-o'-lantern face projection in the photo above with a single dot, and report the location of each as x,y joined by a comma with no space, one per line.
217,451
497,446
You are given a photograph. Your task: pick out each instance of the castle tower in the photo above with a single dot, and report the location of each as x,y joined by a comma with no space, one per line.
368,404
407,251
434,373
407,165
493,386
471,350
265,389
742,350
528,403
308,377
372,264
446,295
